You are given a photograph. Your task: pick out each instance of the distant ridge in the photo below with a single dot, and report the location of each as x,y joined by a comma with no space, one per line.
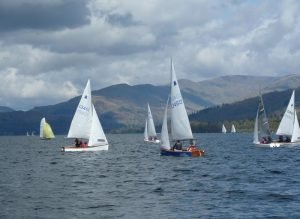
122,107
5,109
275,105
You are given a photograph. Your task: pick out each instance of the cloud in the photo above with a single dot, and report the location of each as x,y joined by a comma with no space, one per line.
59,44
46,14
18,88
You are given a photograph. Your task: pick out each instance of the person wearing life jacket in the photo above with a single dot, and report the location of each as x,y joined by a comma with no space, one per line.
177,146
77,144
192,146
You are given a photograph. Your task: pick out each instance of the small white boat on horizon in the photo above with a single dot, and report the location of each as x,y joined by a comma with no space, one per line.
150,132
233,130
46,132
224,130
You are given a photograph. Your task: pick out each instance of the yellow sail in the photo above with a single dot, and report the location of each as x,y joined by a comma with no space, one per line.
47,131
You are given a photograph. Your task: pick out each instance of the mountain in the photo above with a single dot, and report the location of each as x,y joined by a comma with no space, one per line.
5,109
123,106
275,104
233,88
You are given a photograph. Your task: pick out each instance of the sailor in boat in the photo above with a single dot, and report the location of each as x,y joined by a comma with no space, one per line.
77,143
266,140
177,146
192,146
287,139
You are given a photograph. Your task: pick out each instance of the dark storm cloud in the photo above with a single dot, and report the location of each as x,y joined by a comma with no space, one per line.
42,14
120,19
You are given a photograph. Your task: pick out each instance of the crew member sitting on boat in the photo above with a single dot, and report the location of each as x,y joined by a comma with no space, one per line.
177,146
265,140
77,144
192,146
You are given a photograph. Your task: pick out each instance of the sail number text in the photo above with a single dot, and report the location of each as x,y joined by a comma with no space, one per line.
176,103
84,108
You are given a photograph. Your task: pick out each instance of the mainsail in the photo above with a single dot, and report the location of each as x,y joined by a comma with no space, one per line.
233,129
150,124
45,130
82,120
180,125
261,127
224,130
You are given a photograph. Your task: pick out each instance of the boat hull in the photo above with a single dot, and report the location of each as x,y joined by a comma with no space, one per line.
80,149
195,153
278,144
152,141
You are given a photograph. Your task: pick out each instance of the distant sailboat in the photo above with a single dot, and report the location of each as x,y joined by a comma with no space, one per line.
150,132
289,124
224,130
45,130
262,133
180,125
86,125
233,129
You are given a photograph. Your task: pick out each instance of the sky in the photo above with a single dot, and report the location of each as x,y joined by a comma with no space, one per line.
50,48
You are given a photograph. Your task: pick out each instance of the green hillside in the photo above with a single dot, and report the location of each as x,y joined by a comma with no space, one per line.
242,114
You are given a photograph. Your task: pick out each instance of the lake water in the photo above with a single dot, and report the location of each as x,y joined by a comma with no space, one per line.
131,180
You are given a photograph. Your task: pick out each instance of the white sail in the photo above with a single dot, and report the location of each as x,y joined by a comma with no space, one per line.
180,125
165,142
82,120
223,129
43,121
150,123
287,122
97,136
261,128
45,130
233,129
255,133
296,130
146,136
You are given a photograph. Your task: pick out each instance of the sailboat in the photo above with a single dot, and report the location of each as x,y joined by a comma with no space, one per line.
289,125
262,134
224,130
180,125
45,130
150,133
233,129
86,126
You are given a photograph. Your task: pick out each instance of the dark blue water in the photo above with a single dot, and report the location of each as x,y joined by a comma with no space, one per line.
131,180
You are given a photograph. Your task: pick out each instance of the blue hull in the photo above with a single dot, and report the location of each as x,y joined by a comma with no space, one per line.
176,153
197,153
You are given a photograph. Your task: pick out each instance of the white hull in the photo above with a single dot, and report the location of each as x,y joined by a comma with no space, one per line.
278,144
152,141
80,149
